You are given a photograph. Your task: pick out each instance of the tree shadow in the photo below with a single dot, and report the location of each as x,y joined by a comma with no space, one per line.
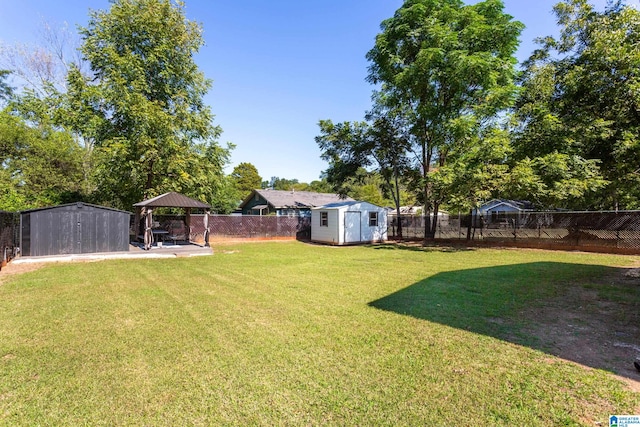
417,247
588,314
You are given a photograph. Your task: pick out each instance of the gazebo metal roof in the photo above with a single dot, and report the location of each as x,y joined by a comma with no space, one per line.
172,200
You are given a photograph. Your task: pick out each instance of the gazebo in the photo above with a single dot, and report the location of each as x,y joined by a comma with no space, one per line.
145,209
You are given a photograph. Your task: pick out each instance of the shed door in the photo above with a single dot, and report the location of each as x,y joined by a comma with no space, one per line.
352,227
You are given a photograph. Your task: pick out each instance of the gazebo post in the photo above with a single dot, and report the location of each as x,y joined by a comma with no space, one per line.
148,234
205,219
187,222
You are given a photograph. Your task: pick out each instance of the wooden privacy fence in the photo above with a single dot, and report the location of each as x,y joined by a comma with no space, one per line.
599,231
230,227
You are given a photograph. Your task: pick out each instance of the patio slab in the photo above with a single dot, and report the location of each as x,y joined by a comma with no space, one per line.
135,252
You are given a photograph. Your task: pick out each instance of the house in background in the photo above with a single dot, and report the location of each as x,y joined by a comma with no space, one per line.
348,223
286,203
501,212
411,210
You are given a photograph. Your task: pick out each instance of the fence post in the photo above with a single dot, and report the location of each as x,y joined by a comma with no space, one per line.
617,230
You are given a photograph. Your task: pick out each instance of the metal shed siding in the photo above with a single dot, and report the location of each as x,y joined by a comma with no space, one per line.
74,229
25,234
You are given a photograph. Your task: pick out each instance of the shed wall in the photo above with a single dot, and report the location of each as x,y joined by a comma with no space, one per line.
342,224
330,233
74,229
371,233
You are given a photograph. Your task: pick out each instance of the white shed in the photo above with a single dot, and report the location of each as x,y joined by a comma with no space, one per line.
348,222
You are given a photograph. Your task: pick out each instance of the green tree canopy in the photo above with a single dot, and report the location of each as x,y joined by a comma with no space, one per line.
246,178
578,118
39,165
5,89
142,106
320,186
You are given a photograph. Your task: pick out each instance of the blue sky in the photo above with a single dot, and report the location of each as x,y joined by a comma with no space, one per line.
277,66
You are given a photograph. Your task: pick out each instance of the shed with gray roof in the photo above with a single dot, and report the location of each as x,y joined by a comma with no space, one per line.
74,228
348,223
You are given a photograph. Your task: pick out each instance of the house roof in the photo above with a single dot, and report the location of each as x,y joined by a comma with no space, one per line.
172,200
280,199
520,205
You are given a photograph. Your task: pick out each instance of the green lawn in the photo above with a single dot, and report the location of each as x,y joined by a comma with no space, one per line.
297,334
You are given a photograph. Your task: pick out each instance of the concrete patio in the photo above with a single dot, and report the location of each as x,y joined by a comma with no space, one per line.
135,251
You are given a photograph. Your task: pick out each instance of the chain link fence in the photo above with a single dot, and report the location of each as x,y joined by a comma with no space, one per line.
606,231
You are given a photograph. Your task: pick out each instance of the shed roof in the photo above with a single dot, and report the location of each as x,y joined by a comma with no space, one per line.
172,200
280,199
347,203
78,204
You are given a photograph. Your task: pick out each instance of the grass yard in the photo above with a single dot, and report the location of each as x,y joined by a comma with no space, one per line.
298,334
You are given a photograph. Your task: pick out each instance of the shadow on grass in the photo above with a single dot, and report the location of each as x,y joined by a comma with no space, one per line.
574,311
417,247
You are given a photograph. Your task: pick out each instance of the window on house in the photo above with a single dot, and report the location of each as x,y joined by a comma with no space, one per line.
498,216
324,219
373,219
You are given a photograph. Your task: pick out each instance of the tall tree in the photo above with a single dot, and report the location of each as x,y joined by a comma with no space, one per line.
580,107
38,72
451,68
143,105
39,165
352,148
476,171
246,178
42,66
284,184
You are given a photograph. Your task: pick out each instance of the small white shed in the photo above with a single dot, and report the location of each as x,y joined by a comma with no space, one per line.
348,223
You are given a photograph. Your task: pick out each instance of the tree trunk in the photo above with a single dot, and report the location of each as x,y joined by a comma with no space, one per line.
434,221
426,164
396,197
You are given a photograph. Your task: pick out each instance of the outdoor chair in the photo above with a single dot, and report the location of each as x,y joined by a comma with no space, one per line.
177,232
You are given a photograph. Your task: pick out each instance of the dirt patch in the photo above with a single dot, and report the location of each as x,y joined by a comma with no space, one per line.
583,327
12,268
